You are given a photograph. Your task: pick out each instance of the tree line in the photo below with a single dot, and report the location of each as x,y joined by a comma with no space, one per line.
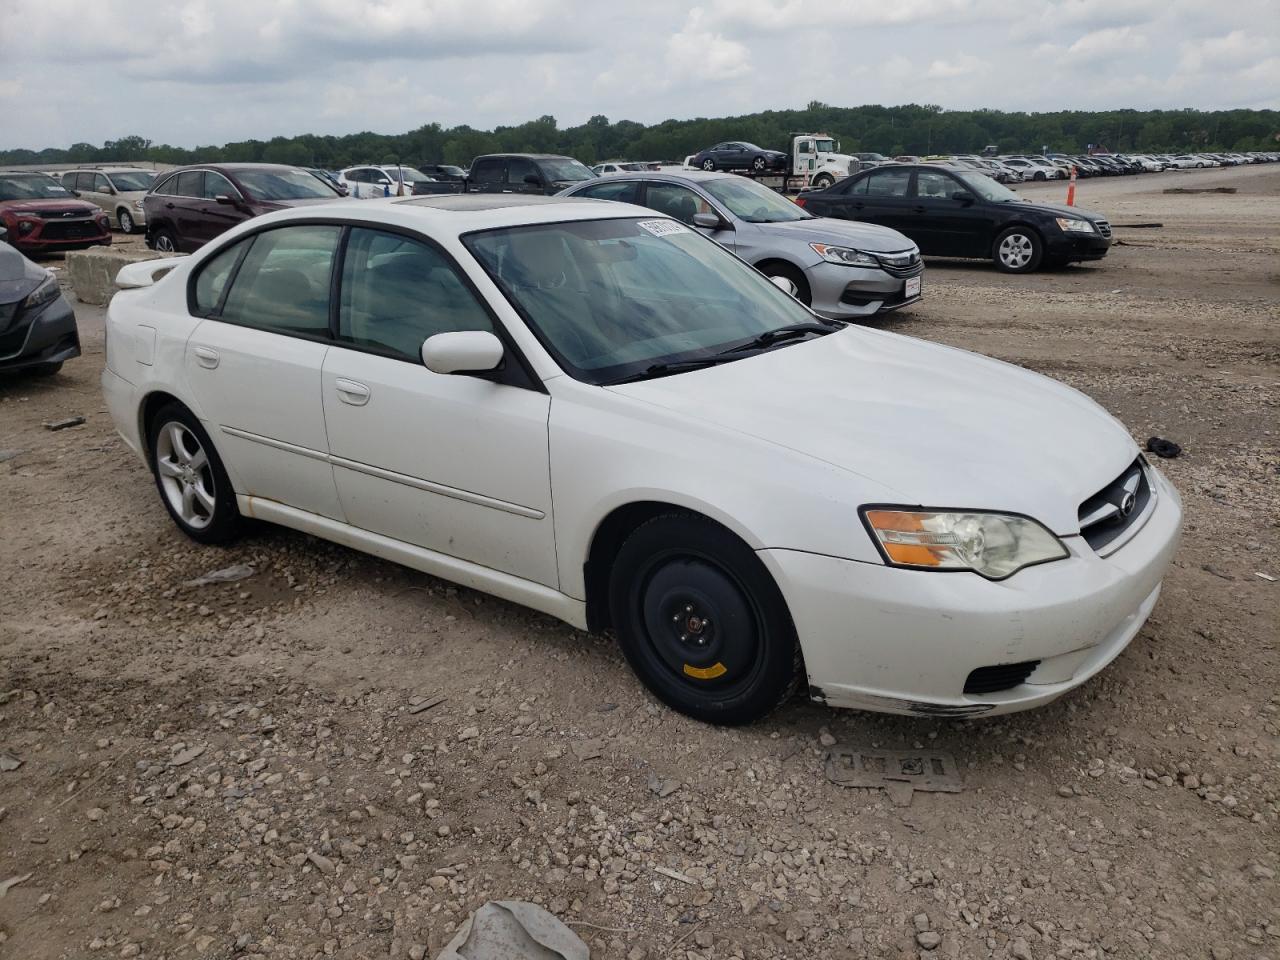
908,129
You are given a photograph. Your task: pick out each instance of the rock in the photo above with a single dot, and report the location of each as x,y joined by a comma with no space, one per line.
826,739
186,756
95,814
231,574
929,940
8,762
64,423
921,922
130,950
1065,791
417,952
469,733
1019,949
322,863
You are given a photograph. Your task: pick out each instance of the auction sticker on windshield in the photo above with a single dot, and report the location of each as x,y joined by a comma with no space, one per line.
912,287
660,228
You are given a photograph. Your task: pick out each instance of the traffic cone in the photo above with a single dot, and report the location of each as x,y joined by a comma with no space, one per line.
1071,188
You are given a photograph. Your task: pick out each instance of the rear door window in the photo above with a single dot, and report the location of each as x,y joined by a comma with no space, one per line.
283,283
190,184
489,171
211,279
888,184
623,191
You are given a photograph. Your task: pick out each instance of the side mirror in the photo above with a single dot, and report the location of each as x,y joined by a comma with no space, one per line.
533,179
74,193
465,351
962,197
708,221
224,199
785,285
383,182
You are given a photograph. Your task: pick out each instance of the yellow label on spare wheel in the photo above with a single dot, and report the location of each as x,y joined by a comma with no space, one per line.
706,673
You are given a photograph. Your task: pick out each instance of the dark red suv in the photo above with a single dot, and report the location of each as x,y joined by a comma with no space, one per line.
43,216
192,205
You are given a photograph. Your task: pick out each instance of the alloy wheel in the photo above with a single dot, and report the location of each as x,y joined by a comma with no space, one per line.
164,243
186,476
126,222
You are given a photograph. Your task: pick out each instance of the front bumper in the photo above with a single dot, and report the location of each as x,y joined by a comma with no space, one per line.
1075,246
905,641
47,336
53,236
840,293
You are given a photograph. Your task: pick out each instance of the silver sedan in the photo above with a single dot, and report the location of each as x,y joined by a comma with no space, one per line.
840,269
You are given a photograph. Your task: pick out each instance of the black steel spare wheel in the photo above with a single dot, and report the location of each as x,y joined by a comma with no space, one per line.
701,621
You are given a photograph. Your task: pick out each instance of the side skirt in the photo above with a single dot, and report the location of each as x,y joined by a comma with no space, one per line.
537,596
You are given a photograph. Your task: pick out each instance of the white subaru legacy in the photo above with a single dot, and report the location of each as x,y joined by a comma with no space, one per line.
594,411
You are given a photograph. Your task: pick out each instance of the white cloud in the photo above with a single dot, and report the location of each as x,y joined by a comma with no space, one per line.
701,53
961,66
1236,50
1110,43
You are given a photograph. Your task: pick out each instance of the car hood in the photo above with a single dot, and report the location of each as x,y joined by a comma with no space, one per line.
851,233
78,208
931,425
1056,210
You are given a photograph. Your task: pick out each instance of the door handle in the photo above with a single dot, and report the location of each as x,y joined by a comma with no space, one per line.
206,357
168,206
919,208
858,205
349,391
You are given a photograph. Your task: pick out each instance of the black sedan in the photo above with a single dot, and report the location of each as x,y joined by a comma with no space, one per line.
37,325
955,213
739,155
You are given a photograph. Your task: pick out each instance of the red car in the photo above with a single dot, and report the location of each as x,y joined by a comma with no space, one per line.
42,216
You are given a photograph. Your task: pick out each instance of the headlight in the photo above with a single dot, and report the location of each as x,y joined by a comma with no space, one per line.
137,204
845,255
104,222
1075,226
995,545
48,290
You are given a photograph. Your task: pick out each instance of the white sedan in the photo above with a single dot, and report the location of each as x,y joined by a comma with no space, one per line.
593,410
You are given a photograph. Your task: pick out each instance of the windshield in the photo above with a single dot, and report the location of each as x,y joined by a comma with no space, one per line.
411,174
284,185
451,170
127,180
31,186
611,298
828,146
987,188
753,203
565,169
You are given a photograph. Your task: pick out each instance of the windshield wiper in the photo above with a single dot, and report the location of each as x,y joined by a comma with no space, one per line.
791,332
676,366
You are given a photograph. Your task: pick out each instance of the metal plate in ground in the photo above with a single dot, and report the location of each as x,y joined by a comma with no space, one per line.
899,772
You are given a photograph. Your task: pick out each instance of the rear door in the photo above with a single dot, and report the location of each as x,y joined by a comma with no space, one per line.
254,363
185,205
456,464
887,200
100,193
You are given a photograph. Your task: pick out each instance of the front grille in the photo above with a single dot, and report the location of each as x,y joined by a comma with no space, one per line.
900,265
1111,511
70,230
1104,228
60,214
1003,676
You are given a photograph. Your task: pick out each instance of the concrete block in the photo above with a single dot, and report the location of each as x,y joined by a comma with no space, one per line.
93,272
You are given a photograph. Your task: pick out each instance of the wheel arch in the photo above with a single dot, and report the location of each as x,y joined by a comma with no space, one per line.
607,539
776,261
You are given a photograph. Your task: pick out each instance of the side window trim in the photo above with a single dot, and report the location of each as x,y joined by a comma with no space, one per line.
216,312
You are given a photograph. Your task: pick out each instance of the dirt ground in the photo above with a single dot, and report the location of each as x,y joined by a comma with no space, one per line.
241,769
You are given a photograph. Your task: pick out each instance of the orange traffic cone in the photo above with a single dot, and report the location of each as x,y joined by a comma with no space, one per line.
1071,188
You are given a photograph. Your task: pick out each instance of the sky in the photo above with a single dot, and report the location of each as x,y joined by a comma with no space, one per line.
197,72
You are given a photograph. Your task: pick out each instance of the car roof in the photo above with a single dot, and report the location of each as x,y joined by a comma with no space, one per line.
685,176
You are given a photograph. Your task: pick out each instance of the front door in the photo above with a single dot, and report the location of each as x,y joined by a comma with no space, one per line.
456,464
518,170
944,226
217,218
254,363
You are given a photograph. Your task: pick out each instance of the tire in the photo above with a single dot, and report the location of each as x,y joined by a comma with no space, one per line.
1018,250
683,576
190,478
795,275
822,181
162,241
708,164
1039,176
125,219
758,164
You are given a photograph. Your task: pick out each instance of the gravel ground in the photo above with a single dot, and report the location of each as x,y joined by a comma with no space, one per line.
247,769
